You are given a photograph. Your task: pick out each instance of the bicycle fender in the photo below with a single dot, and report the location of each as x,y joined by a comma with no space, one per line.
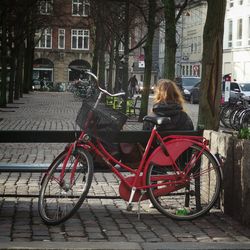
174,148
220,161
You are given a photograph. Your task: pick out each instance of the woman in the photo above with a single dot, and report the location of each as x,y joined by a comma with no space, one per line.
168,102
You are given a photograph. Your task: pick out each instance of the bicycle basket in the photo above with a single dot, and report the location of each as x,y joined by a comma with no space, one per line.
105,123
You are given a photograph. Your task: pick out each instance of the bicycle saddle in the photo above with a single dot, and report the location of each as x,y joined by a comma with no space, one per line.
158,120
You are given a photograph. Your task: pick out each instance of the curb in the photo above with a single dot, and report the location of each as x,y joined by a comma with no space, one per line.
124,245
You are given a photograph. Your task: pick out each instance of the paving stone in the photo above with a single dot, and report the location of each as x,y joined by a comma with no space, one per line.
98,220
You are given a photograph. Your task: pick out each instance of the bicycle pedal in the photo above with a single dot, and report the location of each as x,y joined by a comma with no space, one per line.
129,207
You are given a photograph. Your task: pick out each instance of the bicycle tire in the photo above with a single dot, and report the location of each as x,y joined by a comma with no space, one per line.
188,202
245,120
59,201
234,117
225,115
238,118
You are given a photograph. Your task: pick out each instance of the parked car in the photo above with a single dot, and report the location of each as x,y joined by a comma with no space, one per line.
244,89
235,91
36,84
194,93
186,83
140,87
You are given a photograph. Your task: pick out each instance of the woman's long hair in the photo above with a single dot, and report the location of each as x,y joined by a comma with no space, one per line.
167,91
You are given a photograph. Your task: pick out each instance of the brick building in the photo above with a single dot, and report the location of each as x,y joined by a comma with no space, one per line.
68,40
64,42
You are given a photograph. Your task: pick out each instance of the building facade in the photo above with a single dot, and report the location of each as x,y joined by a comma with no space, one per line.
189,32
68,41
236,43
65,42
190,41
236,54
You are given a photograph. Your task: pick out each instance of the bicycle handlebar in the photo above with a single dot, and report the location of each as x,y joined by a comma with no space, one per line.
87,71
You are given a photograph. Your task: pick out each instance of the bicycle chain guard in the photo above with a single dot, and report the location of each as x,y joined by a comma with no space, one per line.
125,190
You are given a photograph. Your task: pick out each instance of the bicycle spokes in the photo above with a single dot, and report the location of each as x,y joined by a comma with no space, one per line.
189,193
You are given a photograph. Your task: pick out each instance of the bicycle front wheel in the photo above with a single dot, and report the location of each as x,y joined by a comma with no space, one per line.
193,198
61,196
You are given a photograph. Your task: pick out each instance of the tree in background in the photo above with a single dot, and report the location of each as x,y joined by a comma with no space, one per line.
172,13
3,89
19,21
210,89
116,21
151,26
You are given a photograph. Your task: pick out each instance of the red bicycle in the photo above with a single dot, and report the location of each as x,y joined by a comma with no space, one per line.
179,174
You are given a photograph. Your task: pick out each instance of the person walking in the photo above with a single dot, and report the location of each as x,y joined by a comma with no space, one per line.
132,84
168,102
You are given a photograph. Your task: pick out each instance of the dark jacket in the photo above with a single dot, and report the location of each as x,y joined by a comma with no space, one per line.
179,118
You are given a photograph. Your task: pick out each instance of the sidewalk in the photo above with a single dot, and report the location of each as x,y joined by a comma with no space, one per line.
100,223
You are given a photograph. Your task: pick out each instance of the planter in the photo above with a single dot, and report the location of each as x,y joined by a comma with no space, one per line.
236,174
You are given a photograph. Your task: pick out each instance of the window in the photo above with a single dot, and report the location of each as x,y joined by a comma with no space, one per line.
44,38
248,31
239,32
199,44
231,3
192,48
162,45
195,45
230,33
80,39
46,7
240,2
186,70
234,86
80,7
61,38
121,47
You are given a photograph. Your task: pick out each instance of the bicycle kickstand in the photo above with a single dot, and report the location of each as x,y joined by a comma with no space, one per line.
139,204
130,205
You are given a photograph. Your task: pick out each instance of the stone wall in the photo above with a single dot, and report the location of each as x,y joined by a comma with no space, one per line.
235,198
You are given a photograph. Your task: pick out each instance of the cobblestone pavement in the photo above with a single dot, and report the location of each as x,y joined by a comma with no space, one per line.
100,223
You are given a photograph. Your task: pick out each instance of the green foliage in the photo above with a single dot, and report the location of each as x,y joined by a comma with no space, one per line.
244,133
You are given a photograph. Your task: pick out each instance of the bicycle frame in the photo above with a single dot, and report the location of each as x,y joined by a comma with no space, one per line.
173,172
137,182
165,152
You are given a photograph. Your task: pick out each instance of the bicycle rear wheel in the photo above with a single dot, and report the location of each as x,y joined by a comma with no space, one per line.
235,117
190,200
245,120
59,198
225,114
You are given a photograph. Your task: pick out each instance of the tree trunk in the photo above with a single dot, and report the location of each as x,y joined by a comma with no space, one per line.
19,72
118,79
126,55
12,76
111,63
101,61
96,47
210,89
148,59
3,99
29,54
170,39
